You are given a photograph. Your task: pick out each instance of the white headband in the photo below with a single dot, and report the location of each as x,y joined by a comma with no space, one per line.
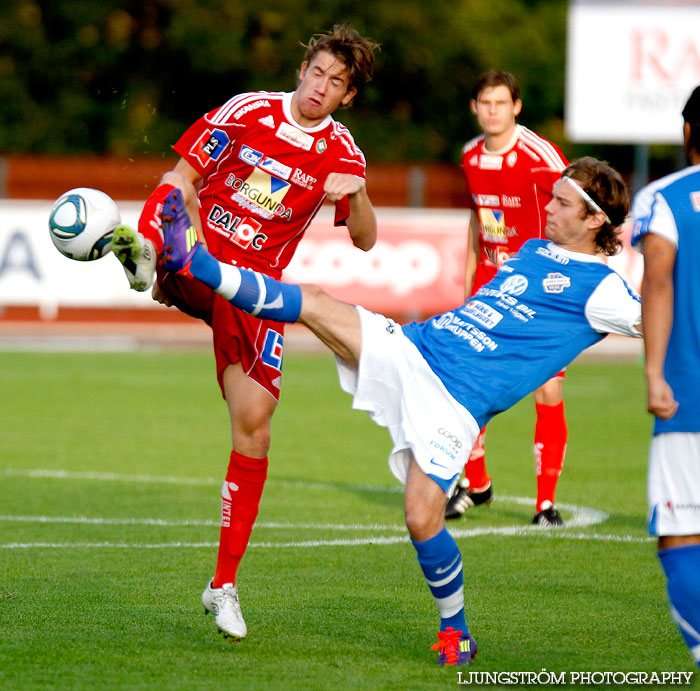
585,196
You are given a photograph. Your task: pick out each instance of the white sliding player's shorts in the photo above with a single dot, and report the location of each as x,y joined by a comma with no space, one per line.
674,484
395,385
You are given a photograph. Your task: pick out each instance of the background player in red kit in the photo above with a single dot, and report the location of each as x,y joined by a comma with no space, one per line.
509,171
254,173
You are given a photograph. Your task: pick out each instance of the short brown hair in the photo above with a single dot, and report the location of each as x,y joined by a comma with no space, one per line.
496,78
356,52
607,189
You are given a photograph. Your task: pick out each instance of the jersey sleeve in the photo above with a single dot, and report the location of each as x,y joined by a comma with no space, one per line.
204,143
350,161
469,197
544,179
342,211
614,307
652,214
210,137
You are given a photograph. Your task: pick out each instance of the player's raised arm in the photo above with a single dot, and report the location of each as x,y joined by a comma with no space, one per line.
361,223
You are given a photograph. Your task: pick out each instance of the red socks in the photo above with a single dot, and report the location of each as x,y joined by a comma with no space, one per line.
475,468
551,435
240,500
150,221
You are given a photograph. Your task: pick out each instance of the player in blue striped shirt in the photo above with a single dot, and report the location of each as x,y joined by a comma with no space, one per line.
667,229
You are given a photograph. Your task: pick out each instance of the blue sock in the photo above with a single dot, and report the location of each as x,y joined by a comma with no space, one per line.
205,268
441,561
250,291
682,568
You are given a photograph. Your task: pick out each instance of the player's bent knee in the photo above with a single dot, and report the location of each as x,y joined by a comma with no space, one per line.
255,443
551,393
422,524
313,298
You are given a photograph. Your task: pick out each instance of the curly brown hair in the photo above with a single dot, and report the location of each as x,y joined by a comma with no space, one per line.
607,189
354,51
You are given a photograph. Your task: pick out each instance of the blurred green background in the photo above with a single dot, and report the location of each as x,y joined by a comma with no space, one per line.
126,78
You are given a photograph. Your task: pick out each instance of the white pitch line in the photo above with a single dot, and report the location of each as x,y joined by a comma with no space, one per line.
540,532
107,545
85,520
107,477
50,474
582,517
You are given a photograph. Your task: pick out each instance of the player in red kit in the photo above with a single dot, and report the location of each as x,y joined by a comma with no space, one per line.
509,171
253,173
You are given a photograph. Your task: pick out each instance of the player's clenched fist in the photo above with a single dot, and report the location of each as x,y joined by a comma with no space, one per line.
338,185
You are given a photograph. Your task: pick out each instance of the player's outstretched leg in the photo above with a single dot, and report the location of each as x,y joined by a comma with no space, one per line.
250,291
137,255
224,605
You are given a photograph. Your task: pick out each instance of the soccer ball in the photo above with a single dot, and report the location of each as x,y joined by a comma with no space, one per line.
81,223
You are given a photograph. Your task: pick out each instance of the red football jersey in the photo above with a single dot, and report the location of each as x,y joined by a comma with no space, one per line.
508,190
263,177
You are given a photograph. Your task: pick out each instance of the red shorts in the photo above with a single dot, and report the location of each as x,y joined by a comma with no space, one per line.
257,344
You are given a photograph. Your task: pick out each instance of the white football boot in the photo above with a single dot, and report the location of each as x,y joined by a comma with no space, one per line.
137,255
224,605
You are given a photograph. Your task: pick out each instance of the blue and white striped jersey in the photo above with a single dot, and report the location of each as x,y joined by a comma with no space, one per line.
670,207
544,306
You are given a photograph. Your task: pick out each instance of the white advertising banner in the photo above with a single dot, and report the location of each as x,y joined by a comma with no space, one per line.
415,269
630,69
416,266
34,273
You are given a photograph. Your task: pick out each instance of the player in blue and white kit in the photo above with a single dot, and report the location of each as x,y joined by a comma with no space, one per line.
667,229
434,384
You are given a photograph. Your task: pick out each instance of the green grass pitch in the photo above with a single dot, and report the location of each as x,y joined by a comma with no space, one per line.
110,469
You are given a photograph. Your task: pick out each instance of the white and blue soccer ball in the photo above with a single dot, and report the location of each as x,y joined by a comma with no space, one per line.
81,223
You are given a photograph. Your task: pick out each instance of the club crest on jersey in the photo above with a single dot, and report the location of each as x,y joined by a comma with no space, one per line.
511,159
555,283
321,146
294,136
210,146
